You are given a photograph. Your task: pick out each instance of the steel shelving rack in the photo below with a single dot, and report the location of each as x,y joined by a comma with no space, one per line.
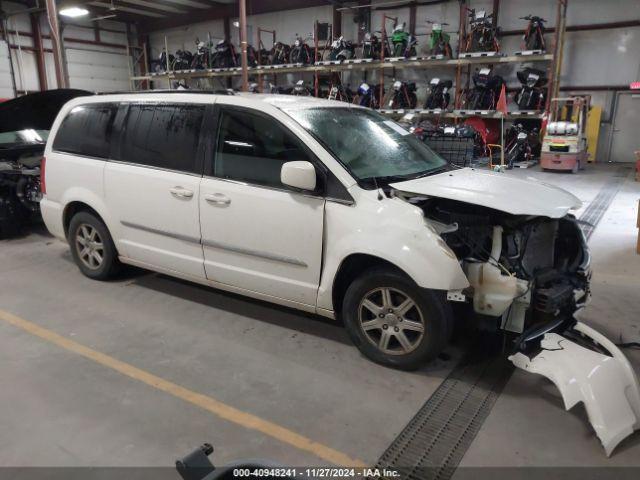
462,66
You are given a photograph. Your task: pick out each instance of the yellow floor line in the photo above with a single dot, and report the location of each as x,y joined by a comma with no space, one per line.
207,403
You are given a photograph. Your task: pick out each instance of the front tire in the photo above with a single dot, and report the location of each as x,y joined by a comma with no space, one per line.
92,248
393,321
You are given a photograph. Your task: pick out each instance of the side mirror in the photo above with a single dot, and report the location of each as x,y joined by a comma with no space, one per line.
300,175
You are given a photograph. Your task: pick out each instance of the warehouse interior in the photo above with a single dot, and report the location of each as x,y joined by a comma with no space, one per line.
152,374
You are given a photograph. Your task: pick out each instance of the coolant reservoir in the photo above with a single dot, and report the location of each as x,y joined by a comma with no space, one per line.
493,291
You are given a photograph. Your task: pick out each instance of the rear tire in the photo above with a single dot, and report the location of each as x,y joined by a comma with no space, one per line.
393,321
92,247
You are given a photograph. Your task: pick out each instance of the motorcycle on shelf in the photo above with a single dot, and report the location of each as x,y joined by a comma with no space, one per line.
372,46
404,44
300,89
280,53
520,144
301,52
201,59
224,55
532,95
485,92
252,57
534,34
342,50
483,35
403,95
183,60
341,93
438,97
439,40
369,96
160,65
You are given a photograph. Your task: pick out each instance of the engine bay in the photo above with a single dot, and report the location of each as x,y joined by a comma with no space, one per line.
531,273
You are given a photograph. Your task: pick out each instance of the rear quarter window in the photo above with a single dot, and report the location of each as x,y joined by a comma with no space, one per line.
87,130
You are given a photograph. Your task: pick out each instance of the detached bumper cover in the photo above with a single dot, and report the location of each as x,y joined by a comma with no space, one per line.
607,385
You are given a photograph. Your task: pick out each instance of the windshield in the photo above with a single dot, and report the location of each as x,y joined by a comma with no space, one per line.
373,148
23,137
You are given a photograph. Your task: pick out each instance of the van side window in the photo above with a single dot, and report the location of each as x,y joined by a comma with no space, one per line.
86,130
253,147
163,136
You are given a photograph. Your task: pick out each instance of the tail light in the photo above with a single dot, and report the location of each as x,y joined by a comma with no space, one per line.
43,183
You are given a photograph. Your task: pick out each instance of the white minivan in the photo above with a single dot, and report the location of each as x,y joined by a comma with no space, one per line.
318,205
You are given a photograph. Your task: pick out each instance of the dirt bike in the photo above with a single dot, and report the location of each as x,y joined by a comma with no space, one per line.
404,44
439,96
404,96
534,34
439,40
301,52
483,36
533,93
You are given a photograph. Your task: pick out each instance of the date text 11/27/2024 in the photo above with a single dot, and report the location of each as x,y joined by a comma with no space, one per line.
312,473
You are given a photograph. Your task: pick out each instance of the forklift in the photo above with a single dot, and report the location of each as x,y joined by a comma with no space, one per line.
564,146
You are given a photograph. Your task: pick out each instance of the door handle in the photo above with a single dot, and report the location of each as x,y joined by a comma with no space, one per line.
180,192
217,199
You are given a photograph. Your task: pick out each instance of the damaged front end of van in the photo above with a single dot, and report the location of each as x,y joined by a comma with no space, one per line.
528,267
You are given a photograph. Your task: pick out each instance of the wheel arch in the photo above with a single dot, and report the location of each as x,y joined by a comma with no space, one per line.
351,268
71,209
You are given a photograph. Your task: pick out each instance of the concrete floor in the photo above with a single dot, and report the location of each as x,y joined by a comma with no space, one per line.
297,371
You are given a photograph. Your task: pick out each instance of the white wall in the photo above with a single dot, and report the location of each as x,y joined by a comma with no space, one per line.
91,67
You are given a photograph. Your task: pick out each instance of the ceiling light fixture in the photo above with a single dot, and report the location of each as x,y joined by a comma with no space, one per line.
74,12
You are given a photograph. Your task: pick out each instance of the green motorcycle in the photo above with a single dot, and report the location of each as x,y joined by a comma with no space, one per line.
404,44
439,40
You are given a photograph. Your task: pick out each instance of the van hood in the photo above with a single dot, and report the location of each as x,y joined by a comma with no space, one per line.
494,190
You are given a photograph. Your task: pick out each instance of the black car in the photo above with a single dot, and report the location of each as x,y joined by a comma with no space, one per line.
24,127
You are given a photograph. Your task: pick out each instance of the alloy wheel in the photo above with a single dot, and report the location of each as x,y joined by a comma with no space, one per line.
89,246
391,320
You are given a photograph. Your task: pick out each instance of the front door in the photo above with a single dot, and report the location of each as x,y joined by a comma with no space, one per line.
153,186
257,234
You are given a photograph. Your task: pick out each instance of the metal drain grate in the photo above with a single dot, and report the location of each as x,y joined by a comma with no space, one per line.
601,203
435,440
